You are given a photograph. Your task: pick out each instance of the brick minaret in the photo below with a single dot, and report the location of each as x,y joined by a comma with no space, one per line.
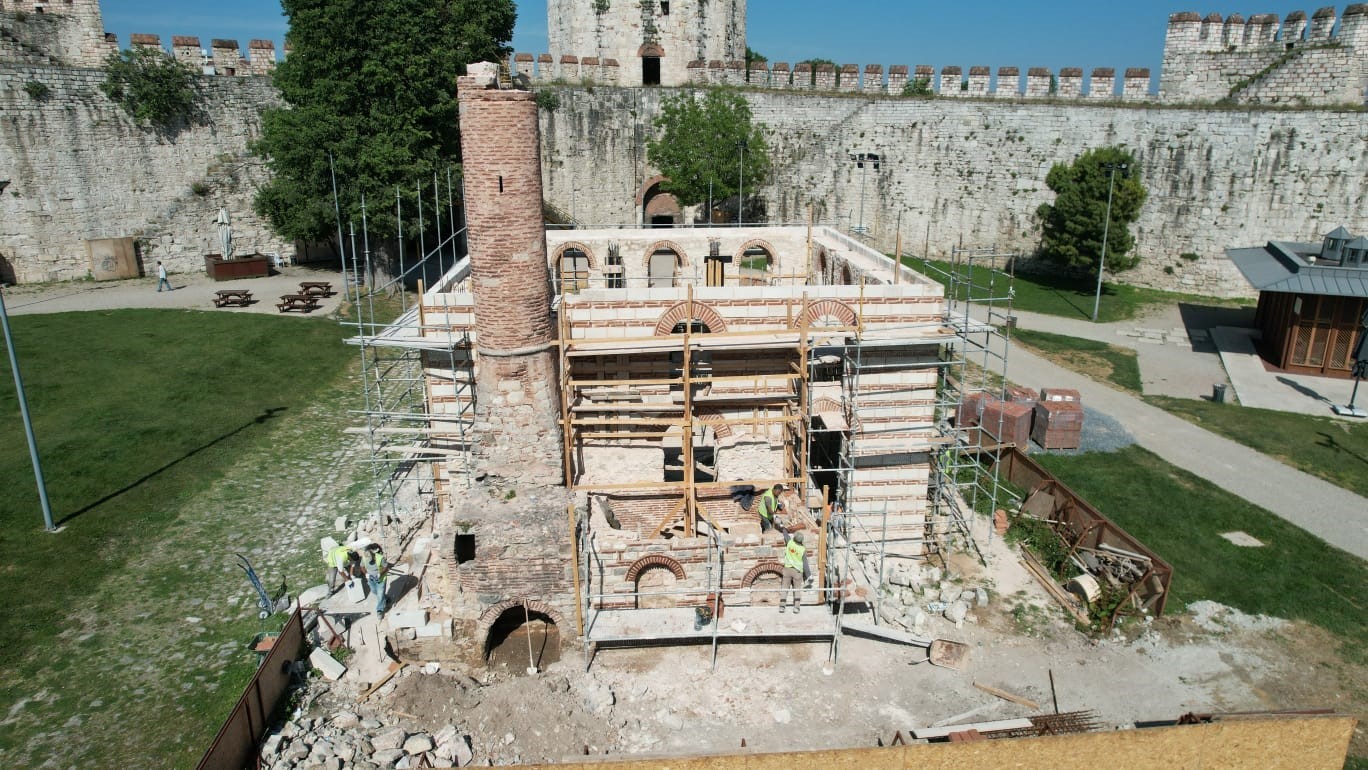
517,406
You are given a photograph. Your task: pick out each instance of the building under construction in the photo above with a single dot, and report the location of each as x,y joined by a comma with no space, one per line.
660,375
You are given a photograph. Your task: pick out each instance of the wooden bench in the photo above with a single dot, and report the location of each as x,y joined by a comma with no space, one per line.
237,297
300,302
315,288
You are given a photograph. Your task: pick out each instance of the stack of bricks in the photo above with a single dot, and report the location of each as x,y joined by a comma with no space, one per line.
1006,421
970,408
1058,419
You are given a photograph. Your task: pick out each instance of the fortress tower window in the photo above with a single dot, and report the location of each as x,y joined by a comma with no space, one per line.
664,7
650,70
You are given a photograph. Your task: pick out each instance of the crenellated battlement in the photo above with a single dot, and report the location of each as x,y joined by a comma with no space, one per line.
1261,60
873,79
223,56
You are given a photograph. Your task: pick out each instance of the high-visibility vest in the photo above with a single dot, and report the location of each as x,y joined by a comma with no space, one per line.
337,557
793,555
375,562
768,504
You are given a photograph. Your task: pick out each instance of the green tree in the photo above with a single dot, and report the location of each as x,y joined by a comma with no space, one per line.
700,143
152,87
1072,226
918,87
752,57
373,83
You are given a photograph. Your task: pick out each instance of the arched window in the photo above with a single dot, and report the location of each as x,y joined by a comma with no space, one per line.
663,267
573,271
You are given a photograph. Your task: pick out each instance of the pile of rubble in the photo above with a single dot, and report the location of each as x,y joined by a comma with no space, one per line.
345,739
914,594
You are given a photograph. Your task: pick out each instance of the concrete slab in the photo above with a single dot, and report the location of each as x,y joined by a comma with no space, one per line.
1243,539
1258,387
406,618
440,629
327,664
314,595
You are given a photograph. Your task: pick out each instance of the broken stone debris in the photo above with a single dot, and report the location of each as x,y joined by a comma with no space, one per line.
343,740
327,664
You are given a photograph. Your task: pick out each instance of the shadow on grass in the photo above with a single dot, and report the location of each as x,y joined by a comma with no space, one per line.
260,419
1329,442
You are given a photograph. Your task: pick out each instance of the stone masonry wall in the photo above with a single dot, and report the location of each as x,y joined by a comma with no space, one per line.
973,171
80,168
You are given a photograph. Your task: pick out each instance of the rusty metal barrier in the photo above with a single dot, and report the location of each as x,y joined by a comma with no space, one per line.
236,743
1107,550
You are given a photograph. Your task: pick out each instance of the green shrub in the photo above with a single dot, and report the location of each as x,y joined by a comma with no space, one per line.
200,188
37,90
1190,256
547,100
151,87
918,87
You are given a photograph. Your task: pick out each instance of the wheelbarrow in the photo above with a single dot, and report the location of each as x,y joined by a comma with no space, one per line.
939,652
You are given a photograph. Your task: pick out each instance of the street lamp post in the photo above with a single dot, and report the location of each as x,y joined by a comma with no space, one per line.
1111,168
1359,372
862,161
28,422
741,184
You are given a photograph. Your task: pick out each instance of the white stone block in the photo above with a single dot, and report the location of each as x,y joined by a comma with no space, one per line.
355,590
407,618
440,629
321,660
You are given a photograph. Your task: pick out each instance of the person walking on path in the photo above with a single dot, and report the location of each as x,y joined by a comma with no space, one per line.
794,552
161,277
376,568
343,565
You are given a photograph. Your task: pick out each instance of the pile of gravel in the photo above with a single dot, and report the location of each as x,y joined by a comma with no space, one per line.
1101,433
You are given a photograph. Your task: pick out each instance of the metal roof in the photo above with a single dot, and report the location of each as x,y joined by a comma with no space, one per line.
1339,233
1280,266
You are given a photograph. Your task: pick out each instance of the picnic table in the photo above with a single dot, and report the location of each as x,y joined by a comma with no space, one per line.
238,297
316,288
301,302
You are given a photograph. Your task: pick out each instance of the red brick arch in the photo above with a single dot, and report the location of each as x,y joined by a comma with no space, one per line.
654,560
681,258
491,616
680,312
830,307
651,49
827,405
762,243
760,569
561,249
645,188
714,420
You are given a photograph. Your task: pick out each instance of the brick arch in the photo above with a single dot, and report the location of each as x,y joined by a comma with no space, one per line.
680,312
760,569
830,307
645,188
651,49
654,560
827,405
762,243
714,419
683,257
491,616
561,249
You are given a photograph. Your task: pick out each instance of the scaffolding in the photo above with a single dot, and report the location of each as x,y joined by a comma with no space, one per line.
416,427
965,476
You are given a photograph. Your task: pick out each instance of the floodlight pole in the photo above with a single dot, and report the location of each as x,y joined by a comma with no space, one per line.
28,422
1106,228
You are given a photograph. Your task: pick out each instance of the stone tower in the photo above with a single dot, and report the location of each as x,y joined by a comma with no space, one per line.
652,41
517,405
73,32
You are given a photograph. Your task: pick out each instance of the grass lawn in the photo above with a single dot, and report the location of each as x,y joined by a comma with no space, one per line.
1334,450
1072,297
1181,516
168,440
1098,360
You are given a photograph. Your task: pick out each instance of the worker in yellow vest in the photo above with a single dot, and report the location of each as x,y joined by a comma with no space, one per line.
794,551
769,507
343,565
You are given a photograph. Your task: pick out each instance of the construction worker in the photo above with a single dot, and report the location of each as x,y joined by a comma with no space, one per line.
770,506
343,565
376,568
794,551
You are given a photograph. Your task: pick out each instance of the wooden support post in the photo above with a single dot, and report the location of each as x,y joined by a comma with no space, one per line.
422,320
574,560
665,522
567,430
808,261
897,259
822,542
686,438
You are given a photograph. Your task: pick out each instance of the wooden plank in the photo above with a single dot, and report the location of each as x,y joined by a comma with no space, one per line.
883,632
1007,696
394,668
982,727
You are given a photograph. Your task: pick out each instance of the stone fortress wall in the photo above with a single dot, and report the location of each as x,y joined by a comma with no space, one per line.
1262,61
972,172
75,167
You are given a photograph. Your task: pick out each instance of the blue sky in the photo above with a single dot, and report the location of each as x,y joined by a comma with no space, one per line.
1081,33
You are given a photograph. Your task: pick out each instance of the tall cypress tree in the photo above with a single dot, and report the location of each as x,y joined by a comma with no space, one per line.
374,83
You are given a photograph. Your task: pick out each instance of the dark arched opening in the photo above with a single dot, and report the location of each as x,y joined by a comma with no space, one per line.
506,646
650,70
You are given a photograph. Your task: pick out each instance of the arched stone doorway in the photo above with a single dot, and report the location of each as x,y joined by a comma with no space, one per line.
663,261
658,208
651,55
764,580
511,626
